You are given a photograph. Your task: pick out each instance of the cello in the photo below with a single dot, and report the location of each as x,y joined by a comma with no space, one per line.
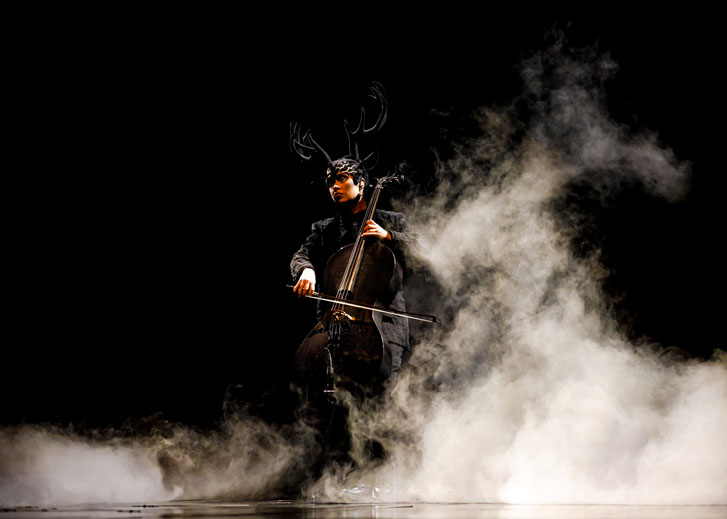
346,347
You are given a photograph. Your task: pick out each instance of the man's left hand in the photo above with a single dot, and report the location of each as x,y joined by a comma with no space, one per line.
373,229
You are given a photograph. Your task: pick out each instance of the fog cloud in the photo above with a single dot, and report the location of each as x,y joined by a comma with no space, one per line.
245,458
531,394
527,393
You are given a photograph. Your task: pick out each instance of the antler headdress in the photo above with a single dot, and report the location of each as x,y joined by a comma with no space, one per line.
305,146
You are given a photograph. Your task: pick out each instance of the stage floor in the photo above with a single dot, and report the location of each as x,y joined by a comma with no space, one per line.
292,510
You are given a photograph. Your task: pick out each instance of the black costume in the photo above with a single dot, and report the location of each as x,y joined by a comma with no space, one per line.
326,238
329,235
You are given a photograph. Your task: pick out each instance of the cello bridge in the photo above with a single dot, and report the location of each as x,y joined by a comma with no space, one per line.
340,315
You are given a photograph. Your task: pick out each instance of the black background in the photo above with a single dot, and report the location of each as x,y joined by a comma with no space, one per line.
157,205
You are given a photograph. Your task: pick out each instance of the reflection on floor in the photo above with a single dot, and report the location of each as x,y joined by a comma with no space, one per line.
292,510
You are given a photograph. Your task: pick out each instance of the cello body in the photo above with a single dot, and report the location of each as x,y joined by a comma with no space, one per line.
348,350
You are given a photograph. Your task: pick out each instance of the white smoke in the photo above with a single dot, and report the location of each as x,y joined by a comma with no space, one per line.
529,395
532,395
245,459
42,467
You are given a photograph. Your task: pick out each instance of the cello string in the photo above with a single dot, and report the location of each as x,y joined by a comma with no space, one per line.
359,250
354,261
345,279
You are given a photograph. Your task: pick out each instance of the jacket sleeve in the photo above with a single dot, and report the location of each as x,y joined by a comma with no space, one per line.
399,229
308,255
402,239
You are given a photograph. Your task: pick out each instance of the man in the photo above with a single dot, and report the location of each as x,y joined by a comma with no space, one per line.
346,180
323,352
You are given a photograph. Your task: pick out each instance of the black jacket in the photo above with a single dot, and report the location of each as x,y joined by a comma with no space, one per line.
329,235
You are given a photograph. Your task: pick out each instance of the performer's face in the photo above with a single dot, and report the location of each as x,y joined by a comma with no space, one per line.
343,189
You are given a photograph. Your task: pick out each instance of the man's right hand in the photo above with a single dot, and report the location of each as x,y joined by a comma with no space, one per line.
306,283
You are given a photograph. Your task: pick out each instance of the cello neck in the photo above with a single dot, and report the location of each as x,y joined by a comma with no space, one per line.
354,262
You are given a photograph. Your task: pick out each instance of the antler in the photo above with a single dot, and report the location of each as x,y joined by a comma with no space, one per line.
377,93
304,144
